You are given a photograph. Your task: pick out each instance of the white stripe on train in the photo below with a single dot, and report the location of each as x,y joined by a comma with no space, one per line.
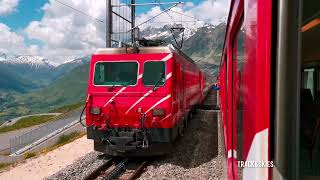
159,102
147,94
258,152
165,117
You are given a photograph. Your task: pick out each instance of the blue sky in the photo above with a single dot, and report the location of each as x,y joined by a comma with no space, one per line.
27,11
51,30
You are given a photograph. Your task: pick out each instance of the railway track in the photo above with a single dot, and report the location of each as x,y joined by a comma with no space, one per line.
119,168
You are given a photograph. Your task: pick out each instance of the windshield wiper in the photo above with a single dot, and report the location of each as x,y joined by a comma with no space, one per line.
157,83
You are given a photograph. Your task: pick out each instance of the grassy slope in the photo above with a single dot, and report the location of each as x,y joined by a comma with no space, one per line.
67,108
27,122
63,140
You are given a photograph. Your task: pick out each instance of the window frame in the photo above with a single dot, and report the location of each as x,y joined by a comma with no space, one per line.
120,61
165,73
234,58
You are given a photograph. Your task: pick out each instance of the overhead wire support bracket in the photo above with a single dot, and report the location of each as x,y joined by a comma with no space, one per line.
149,4
121,17
164,11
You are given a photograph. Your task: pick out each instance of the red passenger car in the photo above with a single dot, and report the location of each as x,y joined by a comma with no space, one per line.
270,89
139,100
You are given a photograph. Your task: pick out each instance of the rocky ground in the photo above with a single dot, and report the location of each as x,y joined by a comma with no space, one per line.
198,155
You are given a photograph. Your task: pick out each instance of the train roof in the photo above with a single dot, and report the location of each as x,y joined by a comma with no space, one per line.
144,50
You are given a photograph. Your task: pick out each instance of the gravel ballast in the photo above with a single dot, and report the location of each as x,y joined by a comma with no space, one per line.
81,168
197,155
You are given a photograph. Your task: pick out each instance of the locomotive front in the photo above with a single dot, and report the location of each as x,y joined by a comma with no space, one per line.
128,110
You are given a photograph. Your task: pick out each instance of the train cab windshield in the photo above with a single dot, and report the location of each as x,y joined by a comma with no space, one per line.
116,73
154,73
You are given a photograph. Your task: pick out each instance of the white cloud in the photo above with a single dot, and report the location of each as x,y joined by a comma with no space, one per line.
213,11
65,32
189,4
208,11
8,6
10,42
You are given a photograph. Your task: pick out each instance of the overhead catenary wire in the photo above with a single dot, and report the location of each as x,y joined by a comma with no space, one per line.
162,8
175,21
149,4
184,14
79,11
153,17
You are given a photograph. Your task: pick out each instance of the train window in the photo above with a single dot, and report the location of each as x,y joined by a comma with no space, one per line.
238,58
116,73
154,73
308,79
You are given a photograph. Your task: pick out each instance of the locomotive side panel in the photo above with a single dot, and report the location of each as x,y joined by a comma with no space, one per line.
191,86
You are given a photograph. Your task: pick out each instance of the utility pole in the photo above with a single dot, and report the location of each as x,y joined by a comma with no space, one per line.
133,17
108,23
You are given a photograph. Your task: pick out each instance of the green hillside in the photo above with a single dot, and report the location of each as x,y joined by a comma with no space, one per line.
12,82
69,89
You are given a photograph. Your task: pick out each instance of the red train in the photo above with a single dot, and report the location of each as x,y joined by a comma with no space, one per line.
270,89
139,100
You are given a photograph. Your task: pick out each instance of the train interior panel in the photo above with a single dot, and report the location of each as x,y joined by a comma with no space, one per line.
310,90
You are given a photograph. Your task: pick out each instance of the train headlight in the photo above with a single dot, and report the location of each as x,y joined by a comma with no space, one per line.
158,112
95,110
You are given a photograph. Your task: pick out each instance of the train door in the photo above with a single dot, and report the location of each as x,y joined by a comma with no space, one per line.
249,44
179,91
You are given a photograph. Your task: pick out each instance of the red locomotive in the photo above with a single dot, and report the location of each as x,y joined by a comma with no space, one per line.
139,100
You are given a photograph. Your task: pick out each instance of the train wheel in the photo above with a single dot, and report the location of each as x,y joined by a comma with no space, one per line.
181,131
182,128
190,115
194,109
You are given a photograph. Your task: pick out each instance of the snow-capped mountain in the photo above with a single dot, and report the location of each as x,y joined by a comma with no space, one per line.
165,33
76,60
4,56
36,69
32,61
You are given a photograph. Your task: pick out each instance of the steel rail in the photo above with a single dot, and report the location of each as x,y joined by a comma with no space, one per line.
98,171
138,171
116,172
